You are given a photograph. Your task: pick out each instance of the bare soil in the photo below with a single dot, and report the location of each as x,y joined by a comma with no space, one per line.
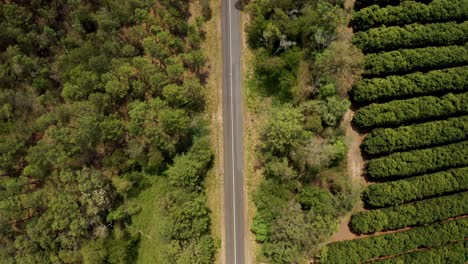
355,172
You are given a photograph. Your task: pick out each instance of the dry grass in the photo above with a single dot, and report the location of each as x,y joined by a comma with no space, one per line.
213,112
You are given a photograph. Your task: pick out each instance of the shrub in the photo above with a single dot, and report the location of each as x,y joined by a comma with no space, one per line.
415,162
407,60
413,84
419,109
424,186
412,214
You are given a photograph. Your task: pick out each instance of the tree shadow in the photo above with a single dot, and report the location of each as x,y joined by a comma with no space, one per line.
241,4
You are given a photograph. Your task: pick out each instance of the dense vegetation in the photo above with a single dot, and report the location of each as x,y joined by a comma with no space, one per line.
408,60
400,112
415,148
359,4
408,12
454,253
411,36
387,140
96,97
304,63
413,84
404,164
357,250
416,188
411,214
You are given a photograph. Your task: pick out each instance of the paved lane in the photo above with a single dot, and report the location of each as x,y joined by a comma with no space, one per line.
233,150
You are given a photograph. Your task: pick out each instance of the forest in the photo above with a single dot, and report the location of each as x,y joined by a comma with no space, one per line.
98,99
302,66
411,112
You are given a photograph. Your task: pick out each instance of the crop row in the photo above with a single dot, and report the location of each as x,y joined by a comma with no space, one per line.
359,4
412,36
420,109
413,84
421,59
411,189
404,164
412,214
410,12
388,140
358,250
453,253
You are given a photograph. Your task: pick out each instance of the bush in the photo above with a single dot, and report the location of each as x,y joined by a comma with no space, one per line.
387,140
419,109
413,84
412,214
415,162
410,12
358,250
412,36
452,253
411,189
407,60
359,4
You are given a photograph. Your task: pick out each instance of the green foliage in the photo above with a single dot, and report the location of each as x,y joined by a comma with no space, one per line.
451,253
394,86
407,60
94,95
404,164
412,214
410,12
359,4
416,188
358,250
388,140
284,133
411,36
417,109
188,170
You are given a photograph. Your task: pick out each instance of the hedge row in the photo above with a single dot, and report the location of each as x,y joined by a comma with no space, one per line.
412,214
408,60
410,12
413,84
359,4
418,109
453,253
387,140
404,164
412,36
358,250
411,189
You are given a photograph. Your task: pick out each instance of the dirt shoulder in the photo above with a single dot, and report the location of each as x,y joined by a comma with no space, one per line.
355,168
214,113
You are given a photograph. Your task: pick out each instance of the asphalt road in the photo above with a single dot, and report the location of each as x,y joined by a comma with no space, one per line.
233,149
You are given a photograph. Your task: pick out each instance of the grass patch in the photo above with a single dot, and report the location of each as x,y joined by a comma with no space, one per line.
149,220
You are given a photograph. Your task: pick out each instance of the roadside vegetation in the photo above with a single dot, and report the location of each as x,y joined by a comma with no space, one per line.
302,68
102,103
413,100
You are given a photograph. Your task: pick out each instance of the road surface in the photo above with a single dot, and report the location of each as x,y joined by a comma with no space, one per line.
233,149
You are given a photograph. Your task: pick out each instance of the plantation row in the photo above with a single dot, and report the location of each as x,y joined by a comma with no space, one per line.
404,164
387,140
359,4
411,36
411,189
413,84
407,60
418,109
411,214
410,12
453,253
358,250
